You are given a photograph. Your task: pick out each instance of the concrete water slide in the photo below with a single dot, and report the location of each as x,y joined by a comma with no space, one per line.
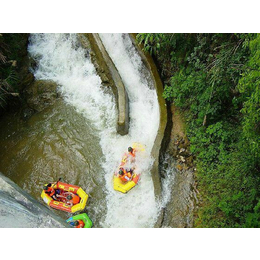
107,66
108,72
18,209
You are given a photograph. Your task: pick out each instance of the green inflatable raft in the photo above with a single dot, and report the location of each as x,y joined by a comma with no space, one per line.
84,217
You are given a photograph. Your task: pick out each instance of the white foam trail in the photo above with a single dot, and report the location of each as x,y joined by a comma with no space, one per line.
169,172
61,59
138,208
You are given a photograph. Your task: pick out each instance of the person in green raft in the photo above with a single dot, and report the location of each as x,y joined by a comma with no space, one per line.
79,224
80,221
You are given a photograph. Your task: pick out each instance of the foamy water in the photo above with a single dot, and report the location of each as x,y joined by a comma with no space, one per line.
138,208
61,59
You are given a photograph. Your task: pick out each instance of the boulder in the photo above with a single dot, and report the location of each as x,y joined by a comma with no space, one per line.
41,94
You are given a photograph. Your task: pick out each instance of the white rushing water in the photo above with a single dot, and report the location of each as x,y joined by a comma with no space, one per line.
138,208
61,59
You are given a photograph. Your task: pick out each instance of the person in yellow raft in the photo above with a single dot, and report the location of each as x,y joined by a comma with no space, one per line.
70,198
131,152
124,175
53,193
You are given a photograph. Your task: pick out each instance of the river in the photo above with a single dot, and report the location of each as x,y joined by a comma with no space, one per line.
76,137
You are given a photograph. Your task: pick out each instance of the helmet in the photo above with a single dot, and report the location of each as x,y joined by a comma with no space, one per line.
76,223
46,186
69,197
130,149
121,172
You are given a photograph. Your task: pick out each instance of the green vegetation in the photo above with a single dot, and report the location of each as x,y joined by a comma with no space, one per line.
12,51
215,79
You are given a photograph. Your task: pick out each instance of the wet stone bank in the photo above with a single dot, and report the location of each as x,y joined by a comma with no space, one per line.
177,163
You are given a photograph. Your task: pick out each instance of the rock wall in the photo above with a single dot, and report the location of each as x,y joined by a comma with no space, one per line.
179,210
18,209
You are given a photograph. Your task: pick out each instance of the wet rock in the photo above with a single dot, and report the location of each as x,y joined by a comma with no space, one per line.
189,160
185,167
174,153
162,175
173,165
41,94
182,159
179,167
182,150
27,80
27,113
182,145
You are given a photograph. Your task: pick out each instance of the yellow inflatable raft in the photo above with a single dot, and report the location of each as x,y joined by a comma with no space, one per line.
125,187
121,186
63,206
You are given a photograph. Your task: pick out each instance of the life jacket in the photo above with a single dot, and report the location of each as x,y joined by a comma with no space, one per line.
132,153
75,199
126,177
50,191
81,224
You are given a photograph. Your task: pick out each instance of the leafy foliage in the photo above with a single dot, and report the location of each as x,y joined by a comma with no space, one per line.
214,79
10,48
